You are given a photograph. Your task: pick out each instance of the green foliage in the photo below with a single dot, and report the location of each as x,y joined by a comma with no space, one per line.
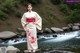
3,16
74,16
4,9
33,1
30,1
74,6
9,4
45,21
24,2
64,8
18,14
56,2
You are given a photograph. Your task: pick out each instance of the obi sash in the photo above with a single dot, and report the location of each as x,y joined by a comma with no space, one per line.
30,19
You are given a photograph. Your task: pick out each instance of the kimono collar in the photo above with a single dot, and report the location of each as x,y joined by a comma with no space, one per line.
30,12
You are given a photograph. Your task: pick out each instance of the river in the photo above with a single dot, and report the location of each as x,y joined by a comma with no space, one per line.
67,46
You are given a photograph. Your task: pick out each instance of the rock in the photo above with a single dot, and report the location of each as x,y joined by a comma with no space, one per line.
77,24
65,28
47,31
54,35
12,49
40,32
75,27
23,34
70,26
0,40
21,31
56,29
2,49
7,34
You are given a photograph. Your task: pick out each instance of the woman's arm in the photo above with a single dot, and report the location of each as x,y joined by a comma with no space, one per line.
38,21
24,22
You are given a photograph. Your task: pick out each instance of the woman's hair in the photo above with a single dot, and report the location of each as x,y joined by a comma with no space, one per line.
28,5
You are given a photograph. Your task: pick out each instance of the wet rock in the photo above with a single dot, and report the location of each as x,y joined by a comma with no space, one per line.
70,26
75,27
23,34
0,40
47,31
55,29
2,49
65,28
77,24
12,49
54,35
40,32
7,34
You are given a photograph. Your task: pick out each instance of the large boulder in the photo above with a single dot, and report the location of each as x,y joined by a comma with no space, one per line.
77,24
7,34
65,28
75,27
47,30
56,29
2,49
12,49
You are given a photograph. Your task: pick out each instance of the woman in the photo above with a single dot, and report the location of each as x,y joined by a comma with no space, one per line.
30,21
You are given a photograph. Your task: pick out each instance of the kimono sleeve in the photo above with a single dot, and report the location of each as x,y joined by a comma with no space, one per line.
38,22
23,22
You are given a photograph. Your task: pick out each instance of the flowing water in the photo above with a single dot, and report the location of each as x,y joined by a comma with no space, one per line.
71,45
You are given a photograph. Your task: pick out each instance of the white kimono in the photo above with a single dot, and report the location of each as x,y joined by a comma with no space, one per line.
30,21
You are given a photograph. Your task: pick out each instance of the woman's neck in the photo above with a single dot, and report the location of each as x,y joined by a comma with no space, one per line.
30,11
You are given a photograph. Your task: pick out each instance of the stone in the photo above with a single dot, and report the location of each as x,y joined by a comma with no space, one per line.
65,28
27,51
2,49
56,29
12,49
7,34
47,31
77,24
75,27
40,32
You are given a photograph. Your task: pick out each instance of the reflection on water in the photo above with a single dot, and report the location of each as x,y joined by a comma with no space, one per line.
68,46
72,42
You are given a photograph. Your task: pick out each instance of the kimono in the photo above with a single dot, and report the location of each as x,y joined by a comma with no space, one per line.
30,21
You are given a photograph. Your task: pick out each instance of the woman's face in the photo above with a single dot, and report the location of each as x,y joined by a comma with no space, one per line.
29,8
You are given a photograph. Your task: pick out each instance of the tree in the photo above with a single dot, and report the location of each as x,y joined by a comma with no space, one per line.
74,16
55,2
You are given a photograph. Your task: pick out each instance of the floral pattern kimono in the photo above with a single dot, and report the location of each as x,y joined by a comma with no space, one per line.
30,21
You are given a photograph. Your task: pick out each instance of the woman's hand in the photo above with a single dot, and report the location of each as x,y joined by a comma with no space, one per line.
26,24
